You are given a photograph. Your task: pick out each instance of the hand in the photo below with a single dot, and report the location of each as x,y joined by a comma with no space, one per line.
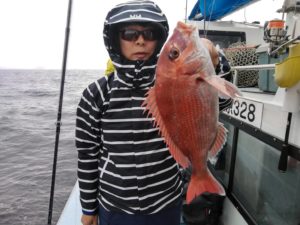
89,219
204,209
212,51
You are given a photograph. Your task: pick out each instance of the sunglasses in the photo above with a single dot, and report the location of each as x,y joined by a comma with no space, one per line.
133,35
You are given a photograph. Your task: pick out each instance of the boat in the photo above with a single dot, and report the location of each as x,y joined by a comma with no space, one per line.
261,165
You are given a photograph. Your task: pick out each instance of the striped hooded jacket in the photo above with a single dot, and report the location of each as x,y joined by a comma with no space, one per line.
123,162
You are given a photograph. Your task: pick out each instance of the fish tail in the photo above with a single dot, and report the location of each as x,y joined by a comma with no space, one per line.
199,185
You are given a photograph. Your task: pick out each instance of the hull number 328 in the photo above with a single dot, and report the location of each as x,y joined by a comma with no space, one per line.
247,111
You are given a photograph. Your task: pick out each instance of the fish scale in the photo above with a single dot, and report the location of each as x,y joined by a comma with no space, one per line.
184,103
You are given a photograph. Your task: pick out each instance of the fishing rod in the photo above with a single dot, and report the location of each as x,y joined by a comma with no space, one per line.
59,112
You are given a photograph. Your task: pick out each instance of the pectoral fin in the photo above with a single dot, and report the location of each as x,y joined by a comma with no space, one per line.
225,88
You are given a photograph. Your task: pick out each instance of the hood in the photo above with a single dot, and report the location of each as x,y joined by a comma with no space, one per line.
136,12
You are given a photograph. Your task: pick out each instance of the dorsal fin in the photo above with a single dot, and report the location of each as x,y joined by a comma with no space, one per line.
151,105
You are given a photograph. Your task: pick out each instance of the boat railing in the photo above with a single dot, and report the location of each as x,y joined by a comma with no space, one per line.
261,171
236,69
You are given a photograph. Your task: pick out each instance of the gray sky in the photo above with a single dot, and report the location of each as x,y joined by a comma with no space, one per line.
32,31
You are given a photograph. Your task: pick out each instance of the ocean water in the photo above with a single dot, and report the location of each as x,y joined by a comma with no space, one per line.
28,112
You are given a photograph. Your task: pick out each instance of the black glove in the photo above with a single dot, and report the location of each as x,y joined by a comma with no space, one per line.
205,209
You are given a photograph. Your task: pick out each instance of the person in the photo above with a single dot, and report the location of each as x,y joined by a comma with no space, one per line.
125,172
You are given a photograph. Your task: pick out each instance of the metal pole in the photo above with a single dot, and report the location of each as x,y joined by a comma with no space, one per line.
283,160
255,67
58,122
204,21
250,67
185,20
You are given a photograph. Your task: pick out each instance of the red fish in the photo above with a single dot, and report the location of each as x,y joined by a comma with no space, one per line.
184,103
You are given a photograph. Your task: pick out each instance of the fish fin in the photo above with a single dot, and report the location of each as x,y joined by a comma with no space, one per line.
219,141
151,105
200,184
225,88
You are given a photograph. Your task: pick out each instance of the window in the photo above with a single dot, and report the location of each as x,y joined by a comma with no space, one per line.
223,38
271,197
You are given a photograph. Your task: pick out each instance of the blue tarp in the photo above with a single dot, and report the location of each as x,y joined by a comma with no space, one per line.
216,9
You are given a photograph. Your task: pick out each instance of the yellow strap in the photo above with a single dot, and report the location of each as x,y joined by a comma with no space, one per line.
109,67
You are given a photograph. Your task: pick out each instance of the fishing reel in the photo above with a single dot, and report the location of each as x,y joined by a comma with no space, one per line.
275,34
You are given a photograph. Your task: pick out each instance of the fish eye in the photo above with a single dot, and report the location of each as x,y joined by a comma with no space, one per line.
174,53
